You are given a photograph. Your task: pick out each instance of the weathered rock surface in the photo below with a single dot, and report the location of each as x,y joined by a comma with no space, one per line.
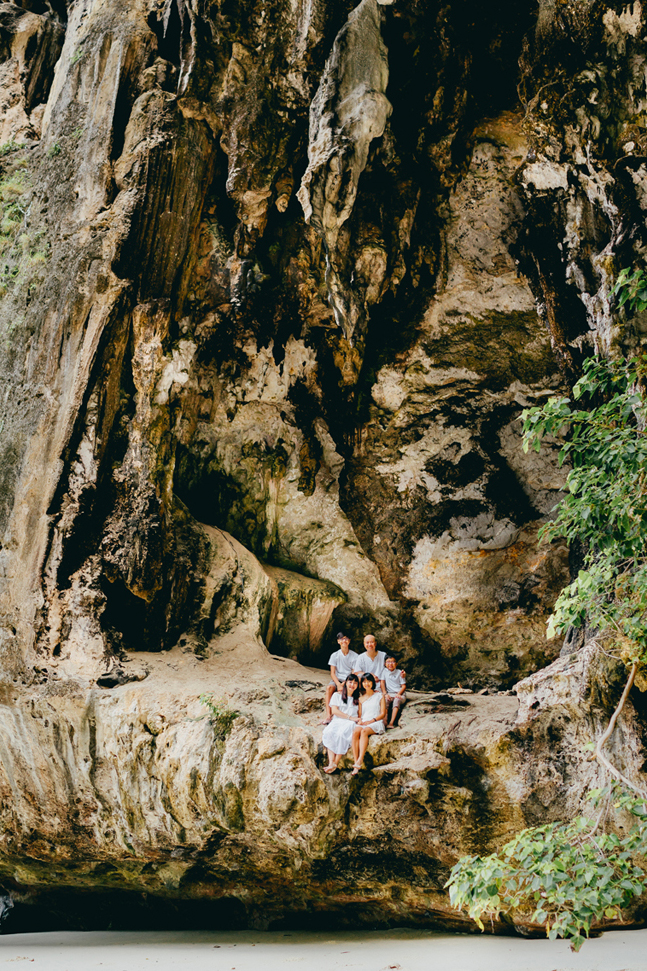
146,792
276,284
194,304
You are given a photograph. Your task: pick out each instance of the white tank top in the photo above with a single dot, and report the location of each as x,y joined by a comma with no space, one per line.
371,707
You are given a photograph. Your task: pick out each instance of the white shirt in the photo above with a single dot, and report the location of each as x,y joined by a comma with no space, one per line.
393,681
344,663
368,666
346,707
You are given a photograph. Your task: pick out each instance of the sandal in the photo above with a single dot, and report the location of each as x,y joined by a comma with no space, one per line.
356,769
330,769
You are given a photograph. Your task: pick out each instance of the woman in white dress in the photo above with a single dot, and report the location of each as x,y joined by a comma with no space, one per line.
338,735
372,714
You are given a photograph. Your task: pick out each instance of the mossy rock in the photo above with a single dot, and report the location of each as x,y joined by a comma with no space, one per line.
303,611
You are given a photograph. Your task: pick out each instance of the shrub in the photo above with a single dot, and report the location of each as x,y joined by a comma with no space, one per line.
221,715
564,876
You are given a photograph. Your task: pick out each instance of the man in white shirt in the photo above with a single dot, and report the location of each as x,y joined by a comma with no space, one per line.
371,661
341,664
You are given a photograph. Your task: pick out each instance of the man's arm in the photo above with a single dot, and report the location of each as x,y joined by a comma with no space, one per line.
333,675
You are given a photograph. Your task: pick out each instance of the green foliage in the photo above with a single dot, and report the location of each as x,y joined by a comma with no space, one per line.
603,437
567,876
222,716
563,876
54,150
8,147
631,287
13,208
23,252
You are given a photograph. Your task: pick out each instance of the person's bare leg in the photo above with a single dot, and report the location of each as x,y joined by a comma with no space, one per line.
395,716
363,745
330,690
356,735
362,742
332,764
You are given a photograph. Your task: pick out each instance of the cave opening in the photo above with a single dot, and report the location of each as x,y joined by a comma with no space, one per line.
168,33
70,909
126,94
55,8
126,619
111,413
451,63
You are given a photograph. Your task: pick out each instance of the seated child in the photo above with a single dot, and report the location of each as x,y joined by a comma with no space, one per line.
341,664
338,736
372,715
394,684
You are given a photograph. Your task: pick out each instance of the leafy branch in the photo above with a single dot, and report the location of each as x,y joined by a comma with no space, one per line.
564,876
631,287
605,506
568,876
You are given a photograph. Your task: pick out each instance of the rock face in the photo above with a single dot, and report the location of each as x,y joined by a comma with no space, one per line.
276,284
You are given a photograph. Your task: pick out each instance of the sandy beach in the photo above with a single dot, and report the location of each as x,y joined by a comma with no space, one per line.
396,950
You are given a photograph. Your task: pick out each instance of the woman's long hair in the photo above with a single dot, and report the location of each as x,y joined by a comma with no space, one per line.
368,677
344,691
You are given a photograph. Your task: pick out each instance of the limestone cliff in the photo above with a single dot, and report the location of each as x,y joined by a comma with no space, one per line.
277,281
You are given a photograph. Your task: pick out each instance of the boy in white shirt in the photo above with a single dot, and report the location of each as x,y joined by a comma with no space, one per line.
341,664
394,683
371,661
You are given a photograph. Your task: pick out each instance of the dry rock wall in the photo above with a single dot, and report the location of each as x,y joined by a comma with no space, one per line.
332,374
276,282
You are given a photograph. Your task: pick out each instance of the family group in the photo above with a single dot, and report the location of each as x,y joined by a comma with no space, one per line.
364,698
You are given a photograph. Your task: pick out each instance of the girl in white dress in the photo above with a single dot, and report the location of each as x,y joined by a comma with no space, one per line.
372,713
338,735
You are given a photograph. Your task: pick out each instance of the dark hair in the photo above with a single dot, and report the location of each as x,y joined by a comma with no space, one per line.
390,657
344,691
369,677
341,634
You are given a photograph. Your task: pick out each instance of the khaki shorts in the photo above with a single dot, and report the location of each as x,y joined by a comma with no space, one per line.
396,700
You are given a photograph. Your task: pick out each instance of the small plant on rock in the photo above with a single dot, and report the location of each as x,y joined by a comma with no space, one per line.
221,715
8,147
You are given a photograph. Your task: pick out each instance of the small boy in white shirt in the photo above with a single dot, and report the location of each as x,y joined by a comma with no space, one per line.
394,683
341,664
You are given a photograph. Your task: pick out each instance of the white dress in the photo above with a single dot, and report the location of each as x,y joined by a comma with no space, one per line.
339,734
371,709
